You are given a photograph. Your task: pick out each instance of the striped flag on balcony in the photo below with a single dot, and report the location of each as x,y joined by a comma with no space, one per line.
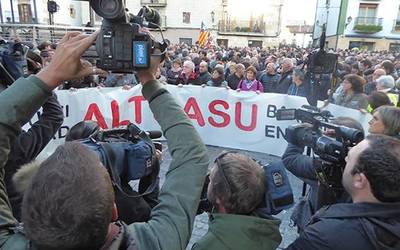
203,36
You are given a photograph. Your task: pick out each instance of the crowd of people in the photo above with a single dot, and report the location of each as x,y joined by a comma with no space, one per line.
54,205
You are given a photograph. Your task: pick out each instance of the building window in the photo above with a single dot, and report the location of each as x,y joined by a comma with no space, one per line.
394,47
25,13
255,44
186,17
187,41
367,13
223,42
72,11
362,45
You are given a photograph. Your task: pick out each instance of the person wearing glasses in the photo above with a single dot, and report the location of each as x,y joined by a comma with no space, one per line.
236,189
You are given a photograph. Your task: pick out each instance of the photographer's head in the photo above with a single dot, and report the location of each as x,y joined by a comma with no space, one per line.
237,184
372,171
385,120
70,202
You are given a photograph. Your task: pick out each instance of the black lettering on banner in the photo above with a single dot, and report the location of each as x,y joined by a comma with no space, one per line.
62,132
275,132
280,132
271,111
270,131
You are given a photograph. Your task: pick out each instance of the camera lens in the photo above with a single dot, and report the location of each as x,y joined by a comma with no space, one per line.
107,5
112,10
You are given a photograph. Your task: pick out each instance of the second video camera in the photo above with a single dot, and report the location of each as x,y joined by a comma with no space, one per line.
123,44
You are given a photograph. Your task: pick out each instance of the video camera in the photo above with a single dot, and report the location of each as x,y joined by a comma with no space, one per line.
129,155
331,151
123,44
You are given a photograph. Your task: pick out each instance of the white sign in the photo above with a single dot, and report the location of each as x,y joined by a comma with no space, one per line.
225,118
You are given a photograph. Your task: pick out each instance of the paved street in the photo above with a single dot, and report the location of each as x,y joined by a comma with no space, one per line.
200,227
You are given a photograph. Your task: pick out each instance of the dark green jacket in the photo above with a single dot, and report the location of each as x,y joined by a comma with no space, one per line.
231,231
172,220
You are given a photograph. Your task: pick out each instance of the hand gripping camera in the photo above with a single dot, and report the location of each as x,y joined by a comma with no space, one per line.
124,45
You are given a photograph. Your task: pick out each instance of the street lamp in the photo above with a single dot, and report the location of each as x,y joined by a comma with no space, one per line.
212,16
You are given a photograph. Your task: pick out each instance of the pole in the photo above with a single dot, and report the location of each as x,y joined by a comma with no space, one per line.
35,11
12,11
1,14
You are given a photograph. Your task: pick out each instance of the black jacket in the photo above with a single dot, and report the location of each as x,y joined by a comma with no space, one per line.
284,82
28,146
203,78
353,226
233,81
302,167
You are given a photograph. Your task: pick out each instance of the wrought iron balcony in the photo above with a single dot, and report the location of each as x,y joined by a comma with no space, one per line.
154,3
368,25
248,27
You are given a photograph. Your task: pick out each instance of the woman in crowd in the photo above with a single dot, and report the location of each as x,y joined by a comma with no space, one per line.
385,120
250,83
174,72
352,95
217,78
298,86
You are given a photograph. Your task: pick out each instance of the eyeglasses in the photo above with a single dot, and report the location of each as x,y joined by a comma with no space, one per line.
221,170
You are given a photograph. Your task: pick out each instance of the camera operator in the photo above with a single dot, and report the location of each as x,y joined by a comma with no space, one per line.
303,167
28,145
371,177
236,189
60,210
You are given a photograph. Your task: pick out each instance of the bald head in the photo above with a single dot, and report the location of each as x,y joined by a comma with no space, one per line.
203,67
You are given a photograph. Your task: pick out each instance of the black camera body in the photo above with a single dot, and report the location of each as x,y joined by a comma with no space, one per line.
333,150
123,44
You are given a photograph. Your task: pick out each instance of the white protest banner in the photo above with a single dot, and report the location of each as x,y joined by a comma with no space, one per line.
225,118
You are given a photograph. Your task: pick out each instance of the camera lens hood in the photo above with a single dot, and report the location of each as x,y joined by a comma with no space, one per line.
109,9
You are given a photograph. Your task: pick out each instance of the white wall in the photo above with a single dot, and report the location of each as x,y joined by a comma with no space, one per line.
329,16
387,9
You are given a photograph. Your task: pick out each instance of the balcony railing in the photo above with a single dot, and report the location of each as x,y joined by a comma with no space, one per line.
244,27
154,3
396,25
368,25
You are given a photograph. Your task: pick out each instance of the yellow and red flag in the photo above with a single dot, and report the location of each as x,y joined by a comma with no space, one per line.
203,36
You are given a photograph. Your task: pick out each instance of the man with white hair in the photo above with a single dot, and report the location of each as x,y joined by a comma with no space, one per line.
286,76
386,84
188,76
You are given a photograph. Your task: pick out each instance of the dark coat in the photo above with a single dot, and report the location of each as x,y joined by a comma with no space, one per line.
269,81
28,146
172,76
233,81
302,167
284,82
203,78
353,226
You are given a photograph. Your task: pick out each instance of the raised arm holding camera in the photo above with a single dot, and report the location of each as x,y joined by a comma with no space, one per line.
59,210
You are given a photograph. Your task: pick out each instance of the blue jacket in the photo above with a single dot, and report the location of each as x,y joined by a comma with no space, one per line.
269,82
297,90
